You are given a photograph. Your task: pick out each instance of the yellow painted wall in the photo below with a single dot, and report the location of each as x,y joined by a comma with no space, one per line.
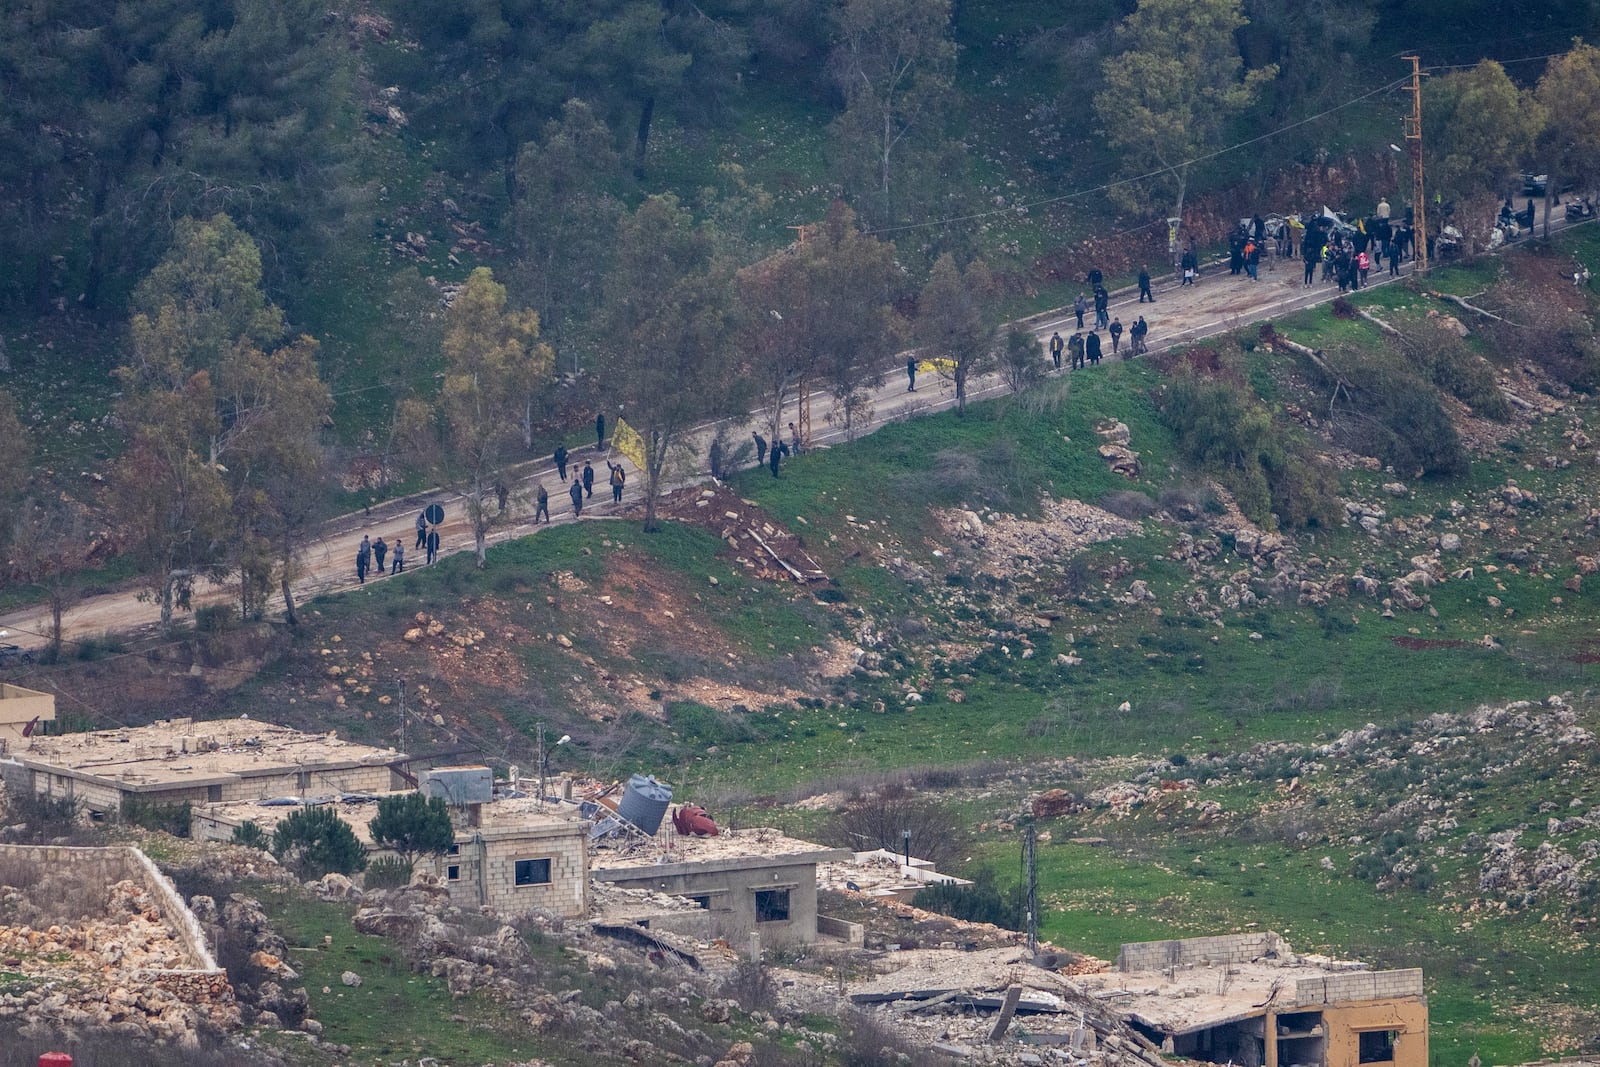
1408,1016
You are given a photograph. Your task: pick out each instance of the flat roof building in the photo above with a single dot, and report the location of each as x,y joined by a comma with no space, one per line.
750,881
177,760
1249,1000
512,855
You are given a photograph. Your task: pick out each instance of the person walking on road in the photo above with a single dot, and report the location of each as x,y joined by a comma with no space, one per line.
761,448
363,560
794,436
422,529
1102,303
1116,335
911,375
1091,348
399,565
576,493
1252,259
599,431
1144,285
1056,345
1394,259
561,461
433,544
1079,306
1136,337
541,506
1076,345
1188,265
618,478
588,479
379,550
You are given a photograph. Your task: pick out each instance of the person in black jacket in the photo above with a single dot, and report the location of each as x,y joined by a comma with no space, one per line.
1091,348
1144,286
561,461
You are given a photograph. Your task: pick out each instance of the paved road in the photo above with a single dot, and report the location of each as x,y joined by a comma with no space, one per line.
1217,303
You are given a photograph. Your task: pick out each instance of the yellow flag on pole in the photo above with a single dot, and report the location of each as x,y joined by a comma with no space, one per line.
626,439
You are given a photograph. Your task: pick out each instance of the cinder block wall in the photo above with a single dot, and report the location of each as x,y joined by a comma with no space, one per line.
1198,951
1359,985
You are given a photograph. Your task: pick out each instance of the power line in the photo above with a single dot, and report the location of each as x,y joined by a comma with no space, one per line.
1014,208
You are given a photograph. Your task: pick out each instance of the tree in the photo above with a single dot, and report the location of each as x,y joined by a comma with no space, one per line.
49,547
413,825
565,214
954,314
820,312
313,841
895,62
1569,145
223,418
16,457
493,360
1170,93
1480,128
668,355
1021,364
120,117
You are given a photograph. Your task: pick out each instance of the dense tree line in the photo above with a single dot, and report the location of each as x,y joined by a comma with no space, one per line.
179,166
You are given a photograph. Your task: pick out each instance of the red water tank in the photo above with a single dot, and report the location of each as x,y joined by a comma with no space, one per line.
55,1059
692,820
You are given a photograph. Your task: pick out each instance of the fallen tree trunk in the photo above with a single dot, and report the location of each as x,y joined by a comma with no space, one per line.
1460,303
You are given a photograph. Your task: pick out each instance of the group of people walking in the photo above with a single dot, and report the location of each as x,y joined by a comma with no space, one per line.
381,557
1085,349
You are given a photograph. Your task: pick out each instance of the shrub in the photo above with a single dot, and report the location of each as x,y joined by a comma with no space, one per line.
251,835
1021,362
1129,504
388,872
980,902
881,821
1388,412
174,819
752,985
313,842
1223,426
1451,364
214,618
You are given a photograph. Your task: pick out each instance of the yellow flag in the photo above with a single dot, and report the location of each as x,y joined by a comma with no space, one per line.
626,439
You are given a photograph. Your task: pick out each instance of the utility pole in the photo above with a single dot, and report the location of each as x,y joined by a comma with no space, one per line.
1030,875
1413,128
401,684
542,761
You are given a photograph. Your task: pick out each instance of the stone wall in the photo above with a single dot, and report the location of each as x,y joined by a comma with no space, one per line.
200,986
106,866
732,894
1199,951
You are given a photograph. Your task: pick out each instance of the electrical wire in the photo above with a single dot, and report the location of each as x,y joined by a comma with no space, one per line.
1014,208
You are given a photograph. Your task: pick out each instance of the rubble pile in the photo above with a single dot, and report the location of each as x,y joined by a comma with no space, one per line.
119,970
1010,547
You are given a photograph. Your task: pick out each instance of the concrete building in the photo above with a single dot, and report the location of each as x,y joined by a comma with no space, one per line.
753,880
175,760
1249,1000
512,855
22,713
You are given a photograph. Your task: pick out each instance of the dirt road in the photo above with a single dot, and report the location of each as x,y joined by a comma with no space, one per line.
1217,303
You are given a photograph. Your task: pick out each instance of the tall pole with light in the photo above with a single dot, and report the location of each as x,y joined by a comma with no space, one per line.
1413,128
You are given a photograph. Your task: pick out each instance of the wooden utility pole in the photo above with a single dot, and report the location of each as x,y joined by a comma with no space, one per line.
1413,127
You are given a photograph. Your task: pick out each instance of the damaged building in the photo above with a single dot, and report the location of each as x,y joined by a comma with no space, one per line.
1250,1000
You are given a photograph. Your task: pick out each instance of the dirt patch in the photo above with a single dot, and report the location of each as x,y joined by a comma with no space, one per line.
750,537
